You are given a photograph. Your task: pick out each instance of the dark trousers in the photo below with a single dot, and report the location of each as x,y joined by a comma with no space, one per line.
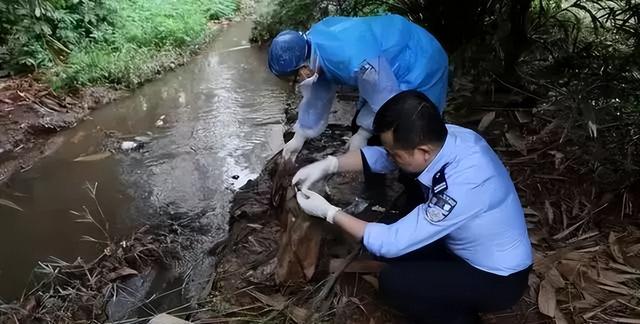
432,285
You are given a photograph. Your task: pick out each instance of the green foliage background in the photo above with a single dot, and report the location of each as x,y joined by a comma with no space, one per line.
89,42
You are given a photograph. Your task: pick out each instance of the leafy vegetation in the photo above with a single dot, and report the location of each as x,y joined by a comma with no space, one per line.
300,14
87,42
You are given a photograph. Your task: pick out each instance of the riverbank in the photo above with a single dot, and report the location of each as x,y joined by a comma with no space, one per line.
220,112
31,112
581,220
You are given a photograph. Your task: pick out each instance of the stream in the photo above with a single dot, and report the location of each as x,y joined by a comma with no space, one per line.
221,116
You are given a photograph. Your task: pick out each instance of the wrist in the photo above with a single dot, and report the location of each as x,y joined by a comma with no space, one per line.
332,164
364,133
298,137
332,213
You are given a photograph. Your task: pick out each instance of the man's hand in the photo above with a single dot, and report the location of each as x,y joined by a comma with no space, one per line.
315,205
315,171
359,139
293,147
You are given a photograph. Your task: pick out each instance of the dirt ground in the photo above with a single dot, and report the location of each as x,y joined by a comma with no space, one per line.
30,113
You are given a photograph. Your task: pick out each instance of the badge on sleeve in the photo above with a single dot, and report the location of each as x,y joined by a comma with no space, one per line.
439,207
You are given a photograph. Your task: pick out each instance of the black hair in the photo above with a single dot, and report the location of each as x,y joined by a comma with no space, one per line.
414,120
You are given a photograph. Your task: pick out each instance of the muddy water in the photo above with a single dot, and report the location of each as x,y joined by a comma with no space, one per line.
223,116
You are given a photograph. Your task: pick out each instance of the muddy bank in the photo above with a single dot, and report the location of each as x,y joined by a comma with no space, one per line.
31,112
581,221
221,120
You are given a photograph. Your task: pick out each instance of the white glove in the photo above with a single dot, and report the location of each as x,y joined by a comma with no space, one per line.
315,205
293,147
359,139
315,171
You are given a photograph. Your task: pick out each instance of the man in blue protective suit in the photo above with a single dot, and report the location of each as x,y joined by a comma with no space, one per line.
380,55
464,248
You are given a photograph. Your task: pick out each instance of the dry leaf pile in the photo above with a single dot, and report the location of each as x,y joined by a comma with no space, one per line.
79,291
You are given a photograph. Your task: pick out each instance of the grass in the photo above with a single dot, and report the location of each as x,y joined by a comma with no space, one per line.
146,37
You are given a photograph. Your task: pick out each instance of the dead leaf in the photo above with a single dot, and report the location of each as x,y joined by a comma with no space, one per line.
93,157
547,299
568,230
624,268
555,278
10,204
121,273
524,116
372,280
517,141
549,210
616,251
370,266
278,302
560,319
625,320
598,310
298,314
486,120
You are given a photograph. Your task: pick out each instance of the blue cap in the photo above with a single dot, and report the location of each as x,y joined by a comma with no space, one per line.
287,53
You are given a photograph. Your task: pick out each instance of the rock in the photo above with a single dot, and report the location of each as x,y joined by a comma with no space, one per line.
167,319
128,145
160,121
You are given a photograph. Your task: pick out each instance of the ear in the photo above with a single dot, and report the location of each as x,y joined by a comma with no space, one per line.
426,151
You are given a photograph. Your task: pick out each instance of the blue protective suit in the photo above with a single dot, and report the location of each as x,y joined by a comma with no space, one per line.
381,56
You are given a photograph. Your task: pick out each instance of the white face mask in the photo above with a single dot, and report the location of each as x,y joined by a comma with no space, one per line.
305,86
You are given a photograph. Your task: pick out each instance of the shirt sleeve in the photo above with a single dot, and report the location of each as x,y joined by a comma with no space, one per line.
425,224
376,159
314,109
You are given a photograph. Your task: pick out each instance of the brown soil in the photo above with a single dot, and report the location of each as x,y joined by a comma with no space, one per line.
31,113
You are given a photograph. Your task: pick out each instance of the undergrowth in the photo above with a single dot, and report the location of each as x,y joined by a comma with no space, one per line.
96,42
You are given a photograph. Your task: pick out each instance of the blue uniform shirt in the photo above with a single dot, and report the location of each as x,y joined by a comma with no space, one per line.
476,210
361,52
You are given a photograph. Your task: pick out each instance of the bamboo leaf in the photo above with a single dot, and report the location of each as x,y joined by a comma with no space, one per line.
93,157
10,204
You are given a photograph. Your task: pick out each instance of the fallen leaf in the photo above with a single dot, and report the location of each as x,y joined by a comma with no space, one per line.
599,309
298,314
547,299
625,320
568,230
616,251
124,271
372,280
278,302
93,157
559,317
356,266
10,204
549,210
524,116
517,141
486,120
555,278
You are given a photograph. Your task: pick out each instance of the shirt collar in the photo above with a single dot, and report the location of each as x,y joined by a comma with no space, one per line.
443,157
